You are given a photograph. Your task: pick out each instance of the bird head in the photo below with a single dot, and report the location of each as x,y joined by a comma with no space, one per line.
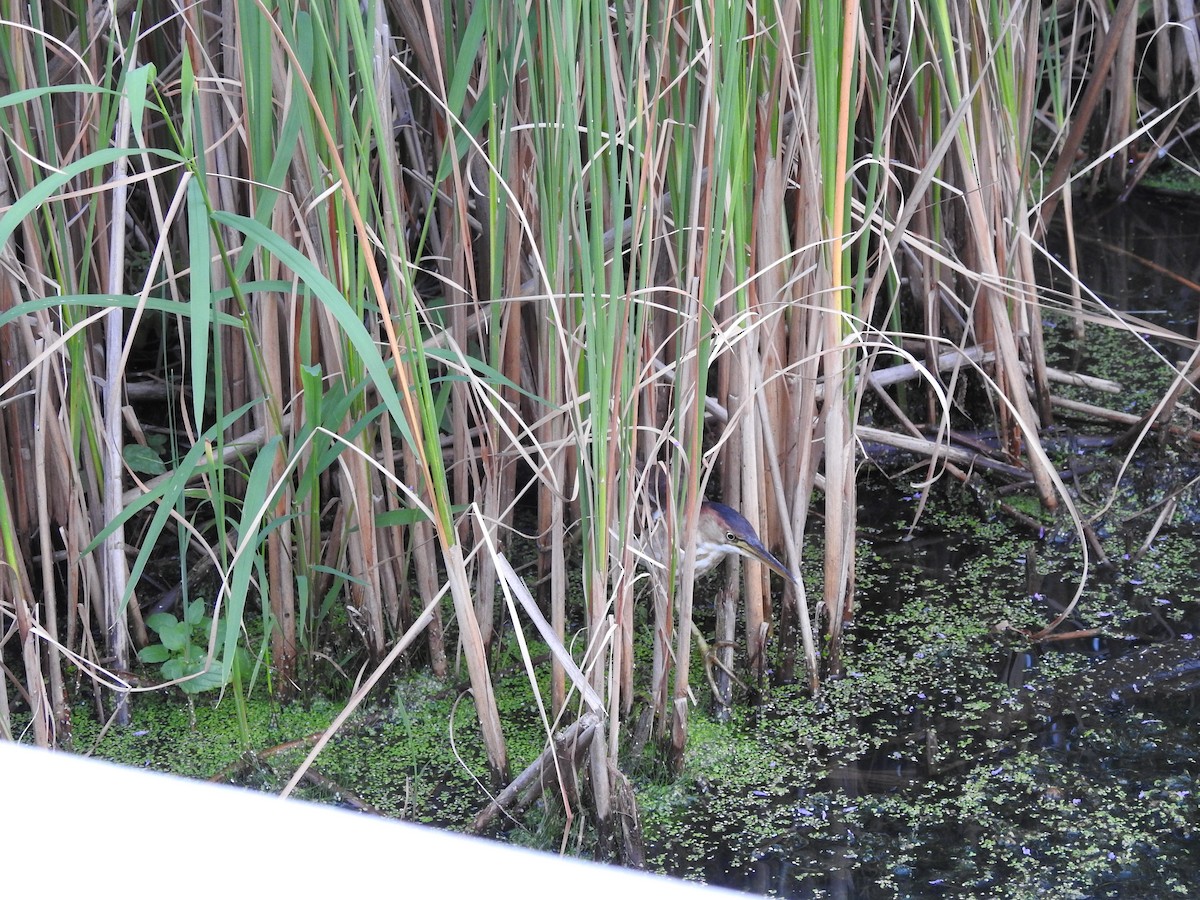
722,531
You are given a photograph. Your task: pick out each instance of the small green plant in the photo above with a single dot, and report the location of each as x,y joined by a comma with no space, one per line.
182,650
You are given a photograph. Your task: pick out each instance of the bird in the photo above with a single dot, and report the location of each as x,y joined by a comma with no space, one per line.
721,532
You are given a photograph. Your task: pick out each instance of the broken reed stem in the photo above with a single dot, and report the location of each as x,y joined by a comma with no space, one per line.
558,763
1118,417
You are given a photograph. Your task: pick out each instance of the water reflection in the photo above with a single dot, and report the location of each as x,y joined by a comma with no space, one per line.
1139,256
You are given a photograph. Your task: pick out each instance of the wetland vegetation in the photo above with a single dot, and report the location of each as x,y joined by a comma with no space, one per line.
341,345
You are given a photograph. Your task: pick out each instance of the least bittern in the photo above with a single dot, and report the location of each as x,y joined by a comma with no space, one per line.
722,531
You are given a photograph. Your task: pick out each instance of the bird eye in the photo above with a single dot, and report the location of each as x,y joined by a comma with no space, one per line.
730,536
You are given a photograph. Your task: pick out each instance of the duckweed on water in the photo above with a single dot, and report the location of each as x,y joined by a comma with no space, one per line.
166,736
954,760
397,757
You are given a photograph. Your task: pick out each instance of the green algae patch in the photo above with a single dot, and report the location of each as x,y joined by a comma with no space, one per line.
166,735
424,759
414,753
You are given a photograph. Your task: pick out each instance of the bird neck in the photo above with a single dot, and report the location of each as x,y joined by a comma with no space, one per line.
708,555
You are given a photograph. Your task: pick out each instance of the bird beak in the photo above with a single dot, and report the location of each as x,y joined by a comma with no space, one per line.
755,550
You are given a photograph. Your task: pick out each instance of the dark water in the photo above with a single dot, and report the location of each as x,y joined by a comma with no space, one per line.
1138,257
987,765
